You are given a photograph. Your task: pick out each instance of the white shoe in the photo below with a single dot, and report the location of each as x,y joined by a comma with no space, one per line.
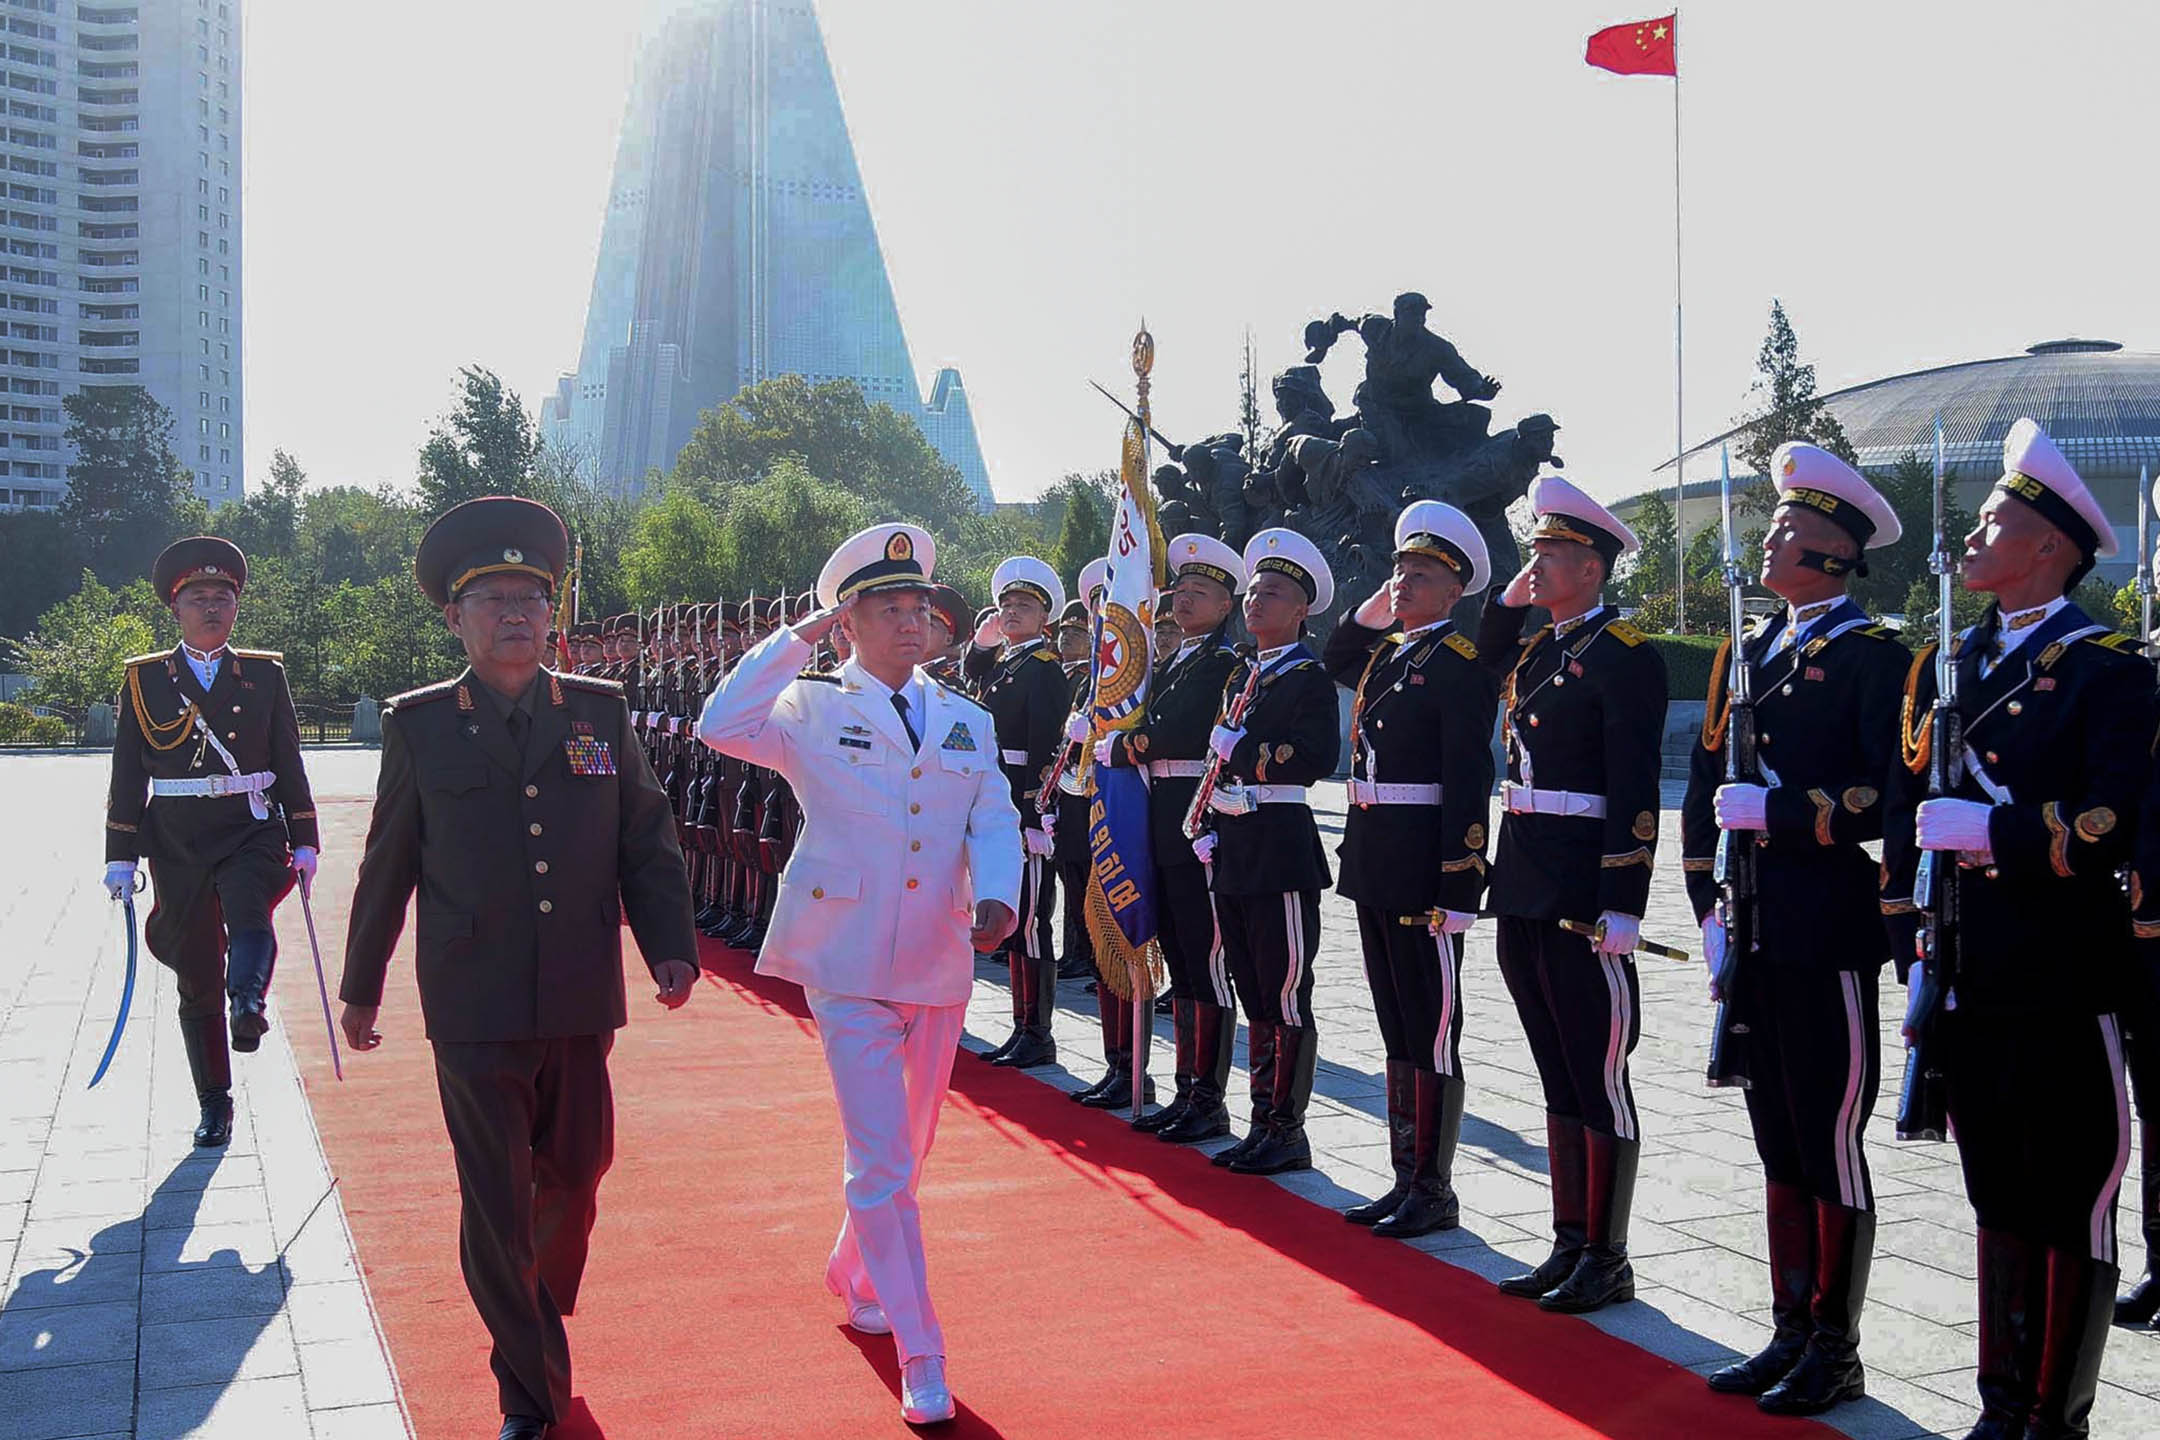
924,1400
867,1317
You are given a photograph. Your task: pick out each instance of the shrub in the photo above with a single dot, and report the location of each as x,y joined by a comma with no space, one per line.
14,724
1688,659
50,730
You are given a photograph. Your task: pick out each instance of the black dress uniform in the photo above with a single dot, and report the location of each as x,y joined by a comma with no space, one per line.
1025,690
2062,727
1584,718
1268,872
1827,684
1069,845
531,827
1185,698
1421,776
219,854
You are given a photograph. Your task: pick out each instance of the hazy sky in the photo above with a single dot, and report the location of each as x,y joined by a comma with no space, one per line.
1920,183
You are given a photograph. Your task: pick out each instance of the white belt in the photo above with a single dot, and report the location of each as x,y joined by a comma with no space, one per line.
1241,799
217,786
1176,769
1522,800
1365,792
1013,757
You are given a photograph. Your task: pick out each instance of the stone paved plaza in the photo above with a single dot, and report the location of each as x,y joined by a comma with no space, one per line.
154,1293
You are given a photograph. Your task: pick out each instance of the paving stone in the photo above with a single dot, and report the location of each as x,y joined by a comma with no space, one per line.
61,1404
216,1351
67,1335
342,1373
209,1292
361,1422
334,1311
242,1410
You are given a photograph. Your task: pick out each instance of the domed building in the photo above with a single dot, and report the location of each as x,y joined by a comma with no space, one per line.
2100,403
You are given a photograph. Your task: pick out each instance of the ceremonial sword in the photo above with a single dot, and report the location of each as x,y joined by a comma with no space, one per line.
1595,933
127,986
322,985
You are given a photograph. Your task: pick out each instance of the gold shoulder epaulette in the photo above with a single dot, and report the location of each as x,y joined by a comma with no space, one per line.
821,677
421,696
277,655
592,683
1462,645
151,658
1045,652
2115,640
1625,633
1881,632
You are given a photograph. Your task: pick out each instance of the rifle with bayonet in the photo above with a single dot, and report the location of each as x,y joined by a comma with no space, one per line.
1923,1100
1177,452
1738,910
2145,562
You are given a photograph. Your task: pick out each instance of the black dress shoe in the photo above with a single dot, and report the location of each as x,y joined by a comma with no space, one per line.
248,1022
217,1113
1157,1121
523,1427
1029,1051
1276,1151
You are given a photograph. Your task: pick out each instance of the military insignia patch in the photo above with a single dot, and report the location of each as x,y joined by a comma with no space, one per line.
1417,679
1282,753
2045,682
2095,823
1813,672
582,727
1646,826
1474,837
2049,656
1860,797
958,738
589,756
853,743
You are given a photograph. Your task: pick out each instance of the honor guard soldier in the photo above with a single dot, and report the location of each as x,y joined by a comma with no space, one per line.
2058,714
1413,851
515,800
1827,682
207,784
1069,833
1278,734
909,853
1184,700
1583,714
948,632
1026,691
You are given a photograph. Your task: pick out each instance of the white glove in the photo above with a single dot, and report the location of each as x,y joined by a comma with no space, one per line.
1960,825
1741,807
1377,612
120,879
1105,749
1049,823
1077,728
990,634
1203,849
1517,593
1222,740
1038,842
1452,922
1621,933
1713,949
303,863
1914,979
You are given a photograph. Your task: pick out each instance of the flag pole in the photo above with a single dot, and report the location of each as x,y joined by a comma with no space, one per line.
1679,365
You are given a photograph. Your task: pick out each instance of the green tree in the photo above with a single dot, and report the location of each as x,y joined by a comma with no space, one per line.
78,652
1084,532
128,495
677,552
781,530
267,522
43,563
485,446
1894,569
1786,406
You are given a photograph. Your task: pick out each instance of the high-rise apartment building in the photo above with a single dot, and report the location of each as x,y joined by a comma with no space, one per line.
122,223
737,246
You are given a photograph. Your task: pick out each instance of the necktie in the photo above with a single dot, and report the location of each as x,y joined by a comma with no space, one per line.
520,725
899,703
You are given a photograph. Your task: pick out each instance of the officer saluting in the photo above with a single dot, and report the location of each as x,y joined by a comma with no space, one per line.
1184,700
209,733
1026,691
910,854
1413,851
517,802
1584,716
1827,683
1276,736
2058,713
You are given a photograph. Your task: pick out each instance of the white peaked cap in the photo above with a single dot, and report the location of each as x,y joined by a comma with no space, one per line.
2036,472
1289,553
1810,475
1438,529
1208,556
1564,512
883,557
1025,572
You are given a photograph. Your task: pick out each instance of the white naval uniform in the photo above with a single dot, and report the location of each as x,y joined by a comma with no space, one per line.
873,920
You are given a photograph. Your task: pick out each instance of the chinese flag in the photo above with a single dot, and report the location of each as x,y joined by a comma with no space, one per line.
1643,47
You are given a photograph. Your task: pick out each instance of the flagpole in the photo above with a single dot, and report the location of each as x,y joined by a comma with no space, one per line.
1679,365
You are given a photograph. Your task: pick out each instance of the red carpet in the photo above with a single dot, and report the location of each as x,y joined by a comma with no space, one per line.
1091,1281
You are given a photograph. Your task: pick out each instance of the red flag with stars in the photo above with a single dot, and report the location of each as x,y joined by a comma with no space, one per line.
1641,47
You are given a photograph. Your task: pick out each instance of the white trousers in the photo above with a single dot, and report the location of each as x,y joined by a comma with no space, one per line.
890,1064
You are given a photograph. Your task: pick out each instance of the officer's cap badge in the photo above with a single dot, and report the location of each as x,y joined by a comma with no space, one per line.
513,557
900,546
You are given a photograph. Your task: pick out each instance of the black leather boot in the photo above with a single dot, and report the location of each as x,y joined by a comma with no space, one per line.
1116,1059
1402,1145
1214,1032
1181,1032
2012,1280
1791,1230
1034,1044
1829,1370
1431,1204
2080,1302
1260,1056
1283,1146
1602,1275
1116,1091
1016,963
250,957
211,1068
1564,1168
2143,1300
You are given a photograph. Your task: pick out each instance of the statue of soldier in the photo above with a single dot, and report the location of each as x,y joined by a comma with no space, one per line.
1402,360
1276,486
